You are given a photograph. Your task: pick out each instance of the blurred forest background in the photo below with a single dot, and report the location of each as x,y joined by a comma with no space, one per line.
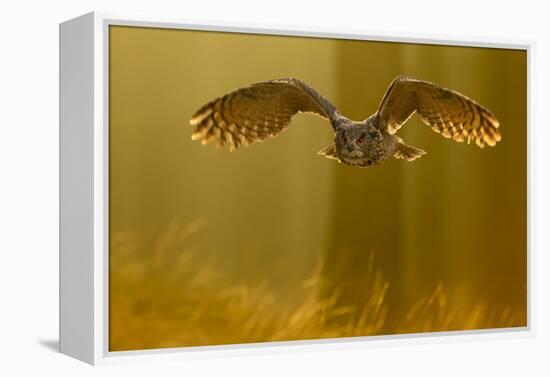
273,242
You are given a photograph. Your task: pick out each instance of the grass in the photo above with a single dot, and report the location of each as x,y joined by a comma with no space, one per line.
163,293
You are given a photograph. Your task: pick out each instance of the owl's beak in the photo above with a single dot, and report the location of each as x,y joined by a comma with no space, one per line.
350,147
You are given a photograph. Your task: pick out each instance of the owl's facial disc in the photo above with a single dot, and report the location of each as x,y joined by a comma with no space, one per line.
350,145
356,146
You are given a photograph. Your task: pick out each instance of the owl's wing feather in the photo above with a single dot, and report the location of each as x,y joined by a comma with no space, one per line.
446,111
253,113
329,152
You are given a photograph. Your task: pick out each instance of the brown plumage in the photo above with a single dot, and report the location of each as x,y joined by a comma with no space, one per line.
264,109
256,112
447,112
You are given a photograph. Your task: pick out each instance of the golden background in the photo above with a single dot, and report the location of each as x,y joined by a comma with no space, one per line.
273,242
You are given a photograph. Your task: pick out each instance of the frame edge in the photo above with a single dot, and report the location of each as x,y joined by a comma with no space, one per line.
76,188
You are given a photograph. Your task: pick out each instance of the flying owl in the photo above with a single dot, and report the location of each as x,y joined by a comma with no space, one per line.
254,113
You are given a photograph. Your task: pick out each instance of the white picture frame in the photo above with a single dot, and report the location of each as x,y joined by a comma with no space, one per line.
84,191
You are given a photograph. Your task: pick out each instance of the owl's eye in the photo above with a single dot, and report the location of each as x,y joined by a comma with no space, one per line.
360,140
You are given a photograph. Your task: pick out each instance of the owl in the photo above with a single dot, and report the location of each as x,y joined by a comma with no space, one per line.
264,109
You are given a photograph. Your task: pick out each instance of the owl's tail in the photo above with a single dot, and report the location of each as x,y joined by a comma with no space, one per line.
407,152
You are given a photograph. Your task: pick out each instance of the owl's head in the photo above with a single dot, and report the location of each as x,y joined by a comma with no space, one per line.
358,144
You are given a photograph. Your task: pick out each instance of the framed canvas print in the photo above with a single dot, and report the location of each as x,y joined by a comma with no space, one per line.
229,189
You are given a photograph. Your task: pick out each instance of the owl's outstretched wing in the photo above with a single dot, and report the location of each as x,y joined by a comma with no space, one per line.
447,112
256,112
